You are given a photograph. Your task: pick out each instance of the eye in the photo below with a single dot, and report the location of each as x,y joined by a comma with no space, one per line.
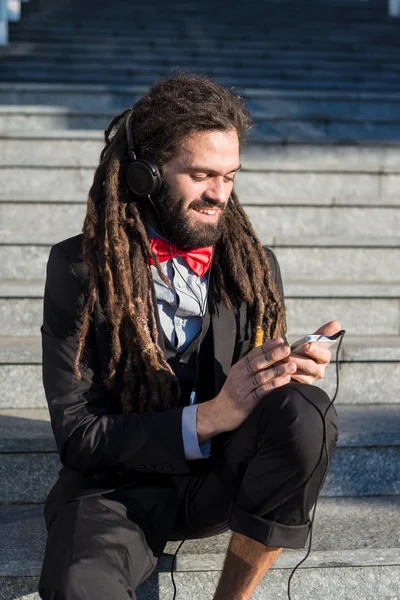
203,178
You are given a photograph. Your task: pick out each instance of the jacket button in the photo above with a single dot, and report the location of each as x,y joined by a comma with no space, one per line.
167,468
141,467
158,468
149,468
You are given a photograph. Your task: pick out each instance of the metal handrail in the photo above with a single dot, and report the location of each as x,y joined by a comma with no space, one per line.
394,8
10,11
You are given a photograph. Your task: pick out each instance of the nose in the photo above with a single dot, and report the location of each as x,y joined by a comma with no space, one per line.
216,190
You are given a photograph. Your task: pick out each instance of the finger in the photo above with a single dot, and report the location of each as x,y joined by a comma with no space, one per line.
264,359
259,392
303,378
268,376
320,355
329,328
246,361
307,366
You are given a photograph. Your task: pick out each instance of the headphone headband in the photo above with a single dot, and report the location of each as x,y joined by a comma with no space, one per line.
129,137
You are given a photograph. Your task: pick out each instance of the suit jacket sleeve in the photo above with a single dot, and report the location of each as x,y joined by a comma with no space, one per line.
91,436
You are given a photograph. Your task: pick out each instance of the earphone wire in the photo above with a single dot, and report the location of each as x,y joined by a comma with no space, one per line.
203,310
324,446
324,443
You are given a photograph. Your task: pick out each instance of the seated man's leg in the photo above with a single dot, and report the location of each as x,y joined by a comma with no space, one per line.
264,485
94,551
281,483
265,474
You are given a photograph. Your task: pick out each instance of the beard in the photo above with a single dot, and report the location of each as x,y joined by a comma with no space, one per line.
172,216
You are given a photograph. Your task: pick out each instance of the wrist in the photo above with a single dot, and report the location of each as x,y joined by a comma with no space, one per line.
206,422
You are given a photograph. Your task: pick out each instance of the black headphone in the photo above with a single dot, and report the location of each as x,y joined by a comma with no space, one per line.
142,176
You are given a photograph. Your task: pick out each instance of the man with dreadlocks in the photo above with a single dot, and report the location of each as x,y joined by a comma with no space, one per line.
177,408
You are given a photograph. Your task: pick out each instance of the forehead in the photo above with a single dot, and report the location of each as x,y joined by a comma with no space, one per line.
215,149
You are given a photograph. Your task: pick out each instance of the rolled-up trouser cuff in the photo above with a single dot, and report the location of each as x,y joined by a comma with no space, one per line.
269,533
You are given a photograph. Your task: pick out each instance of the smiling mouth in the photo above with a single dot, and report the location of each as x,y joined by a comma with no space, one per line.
207,211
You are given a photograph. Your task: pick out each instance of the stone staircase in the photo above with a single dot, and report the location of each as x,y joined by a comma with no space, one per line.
321,183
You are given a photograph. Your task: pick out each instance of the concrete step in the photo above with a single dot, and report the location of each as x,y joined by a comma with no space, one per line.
355,552
359,315
130,65
49,222
319,128
369,371
368,261
329,108
113,55
147,52
261,187
291,38
366,462
361,349
308,258
99,97
316,7
370,316
128,59
361,22
236,26
267,130
13,289
63,148
296,82
289,131
302,157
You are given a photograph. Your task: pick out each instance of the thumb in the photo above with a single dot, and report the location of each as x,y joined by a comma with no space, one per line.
329,328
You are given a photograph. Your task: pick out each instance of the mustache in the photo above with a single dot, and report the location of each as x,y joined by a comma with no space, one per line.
208,205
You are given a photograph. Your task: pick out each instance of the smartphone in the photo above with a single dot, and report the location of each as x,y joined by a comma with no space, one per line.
319,340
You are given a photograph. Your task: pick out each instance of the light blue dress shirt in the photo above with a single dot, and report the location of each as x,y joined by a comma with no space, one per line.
180,317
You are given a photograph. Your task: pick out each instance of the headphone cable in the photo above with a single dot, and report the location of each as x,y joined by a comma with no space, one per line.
193,393
192,397
324,445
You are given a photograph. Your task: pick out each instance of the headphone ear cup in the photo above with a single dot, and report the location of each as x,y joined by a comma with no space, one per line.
143,178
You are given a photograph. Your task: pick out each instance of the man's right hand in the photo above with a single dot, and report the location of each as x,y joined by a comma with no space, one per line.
248,382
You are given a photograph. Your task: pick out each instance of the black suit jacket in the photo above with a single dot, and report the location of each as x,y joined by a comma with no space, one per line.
101,448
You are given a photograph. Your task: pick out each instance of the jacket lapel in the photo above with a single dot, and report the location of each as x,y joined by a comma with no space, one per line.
158,321
224,334
225,328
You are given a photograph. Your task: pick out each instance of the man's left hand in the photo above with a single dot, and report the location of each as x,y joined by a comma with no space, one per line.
312,367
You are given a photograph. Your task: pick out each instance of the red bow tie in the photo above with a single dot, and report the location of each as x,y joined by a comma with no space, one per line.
199,259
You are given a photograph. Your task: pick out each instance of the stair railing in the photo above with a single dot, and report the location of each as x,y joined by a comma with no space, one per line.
394,8
10,11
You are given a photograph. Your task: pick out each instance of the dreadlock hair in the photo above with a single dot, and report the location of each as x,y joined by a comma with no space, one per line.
116,246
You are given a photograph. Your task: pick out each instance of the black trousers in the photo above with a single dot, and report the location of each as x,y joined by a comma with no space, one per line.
263,482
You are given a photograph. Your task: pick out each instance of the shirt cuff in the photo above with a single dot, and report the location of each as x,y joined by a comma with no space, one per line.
193,450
